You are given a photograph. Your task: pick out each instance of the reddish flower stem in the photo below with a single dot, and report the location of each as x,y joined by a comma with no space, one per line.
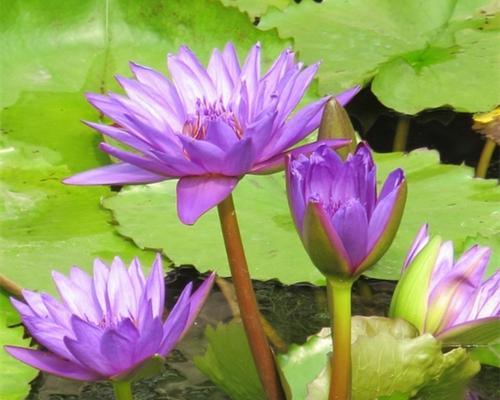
259,346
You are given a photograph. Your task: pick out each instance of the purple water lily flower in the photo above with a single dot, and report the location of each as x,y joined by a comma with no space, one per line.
206,126
106,326
344,226
446,298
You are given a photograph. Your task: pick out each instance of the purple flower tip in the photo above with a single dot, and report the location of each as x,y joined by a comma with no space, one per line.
106,325
208,125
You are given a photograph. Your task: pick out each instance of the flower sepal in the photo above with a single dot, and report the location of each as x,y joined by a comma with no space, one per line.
323,244
473,333
149,368
410,300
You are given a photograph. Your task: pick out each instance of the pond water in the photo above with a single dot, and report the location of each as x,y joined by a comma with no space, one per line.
294,311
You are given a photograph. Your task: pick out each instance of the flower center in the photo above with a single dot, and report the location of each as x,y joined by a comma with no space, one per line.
197,123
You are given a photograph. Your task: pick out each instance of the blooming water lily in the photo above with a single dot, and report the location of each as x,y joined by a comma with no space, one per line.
206,126
106,326
449,299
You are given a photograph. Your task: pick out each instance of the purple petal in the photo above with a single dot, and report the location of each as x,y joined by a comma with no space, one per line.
351,224
197,301
35,302
122,306
100,278
137,278
297,128
221,135
442,266
151,335
203,153
250,73
277,162
261,130
345,97
52,364
238,160
121,135
198,194
487,302
163,87
291,95
231,60
176,323
117,347
385,207
115,174
86,348
155,287
295,190
49,335
221,76
418,244
22,308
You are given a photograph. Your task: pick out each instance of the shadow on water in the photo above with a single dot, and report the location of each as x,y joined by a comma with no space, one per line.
294,311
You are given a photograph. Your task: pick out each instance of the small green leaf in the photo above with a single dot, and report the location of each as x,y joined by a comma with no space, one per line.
228,362
479,332
16,376
489,355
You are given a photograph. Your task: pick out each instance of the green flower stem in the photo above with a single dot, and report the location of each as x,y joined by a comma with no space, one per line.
249,311
402,131
484,160
339,293
123,390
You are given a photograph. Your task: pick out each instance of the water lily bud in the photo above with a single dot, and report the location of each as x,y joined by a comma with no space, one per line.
336,124
344,225
106,326
446,298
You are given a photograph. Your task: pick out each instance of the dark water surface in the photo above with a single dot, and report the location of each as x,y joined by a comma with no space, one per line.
294,311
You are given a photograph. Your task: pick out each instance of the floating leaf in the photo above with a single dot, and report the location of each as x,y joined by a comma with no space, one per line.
228,362
436,194
16,376
256,8
419,54
47,225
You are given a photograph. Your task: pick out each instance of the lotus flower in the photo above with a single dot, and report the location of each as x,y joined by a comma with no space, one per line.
344,226
108,326
207,126
446,298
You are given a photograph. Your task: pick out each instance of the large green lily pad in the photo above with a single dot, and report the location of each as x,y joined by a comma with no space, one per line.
55,46
419,54
47,225
446,196
16,376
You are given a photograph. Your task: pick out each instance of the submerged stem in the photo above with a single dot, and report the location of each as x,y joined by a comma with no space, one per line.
485,158
339,293
247,302
123,390
402,131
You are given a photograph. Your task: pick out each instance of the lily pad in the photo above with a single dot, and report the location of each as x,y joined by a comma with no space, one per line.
54,47
47,225
446,196
256,8
228,362
389,361
16,376
418,54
